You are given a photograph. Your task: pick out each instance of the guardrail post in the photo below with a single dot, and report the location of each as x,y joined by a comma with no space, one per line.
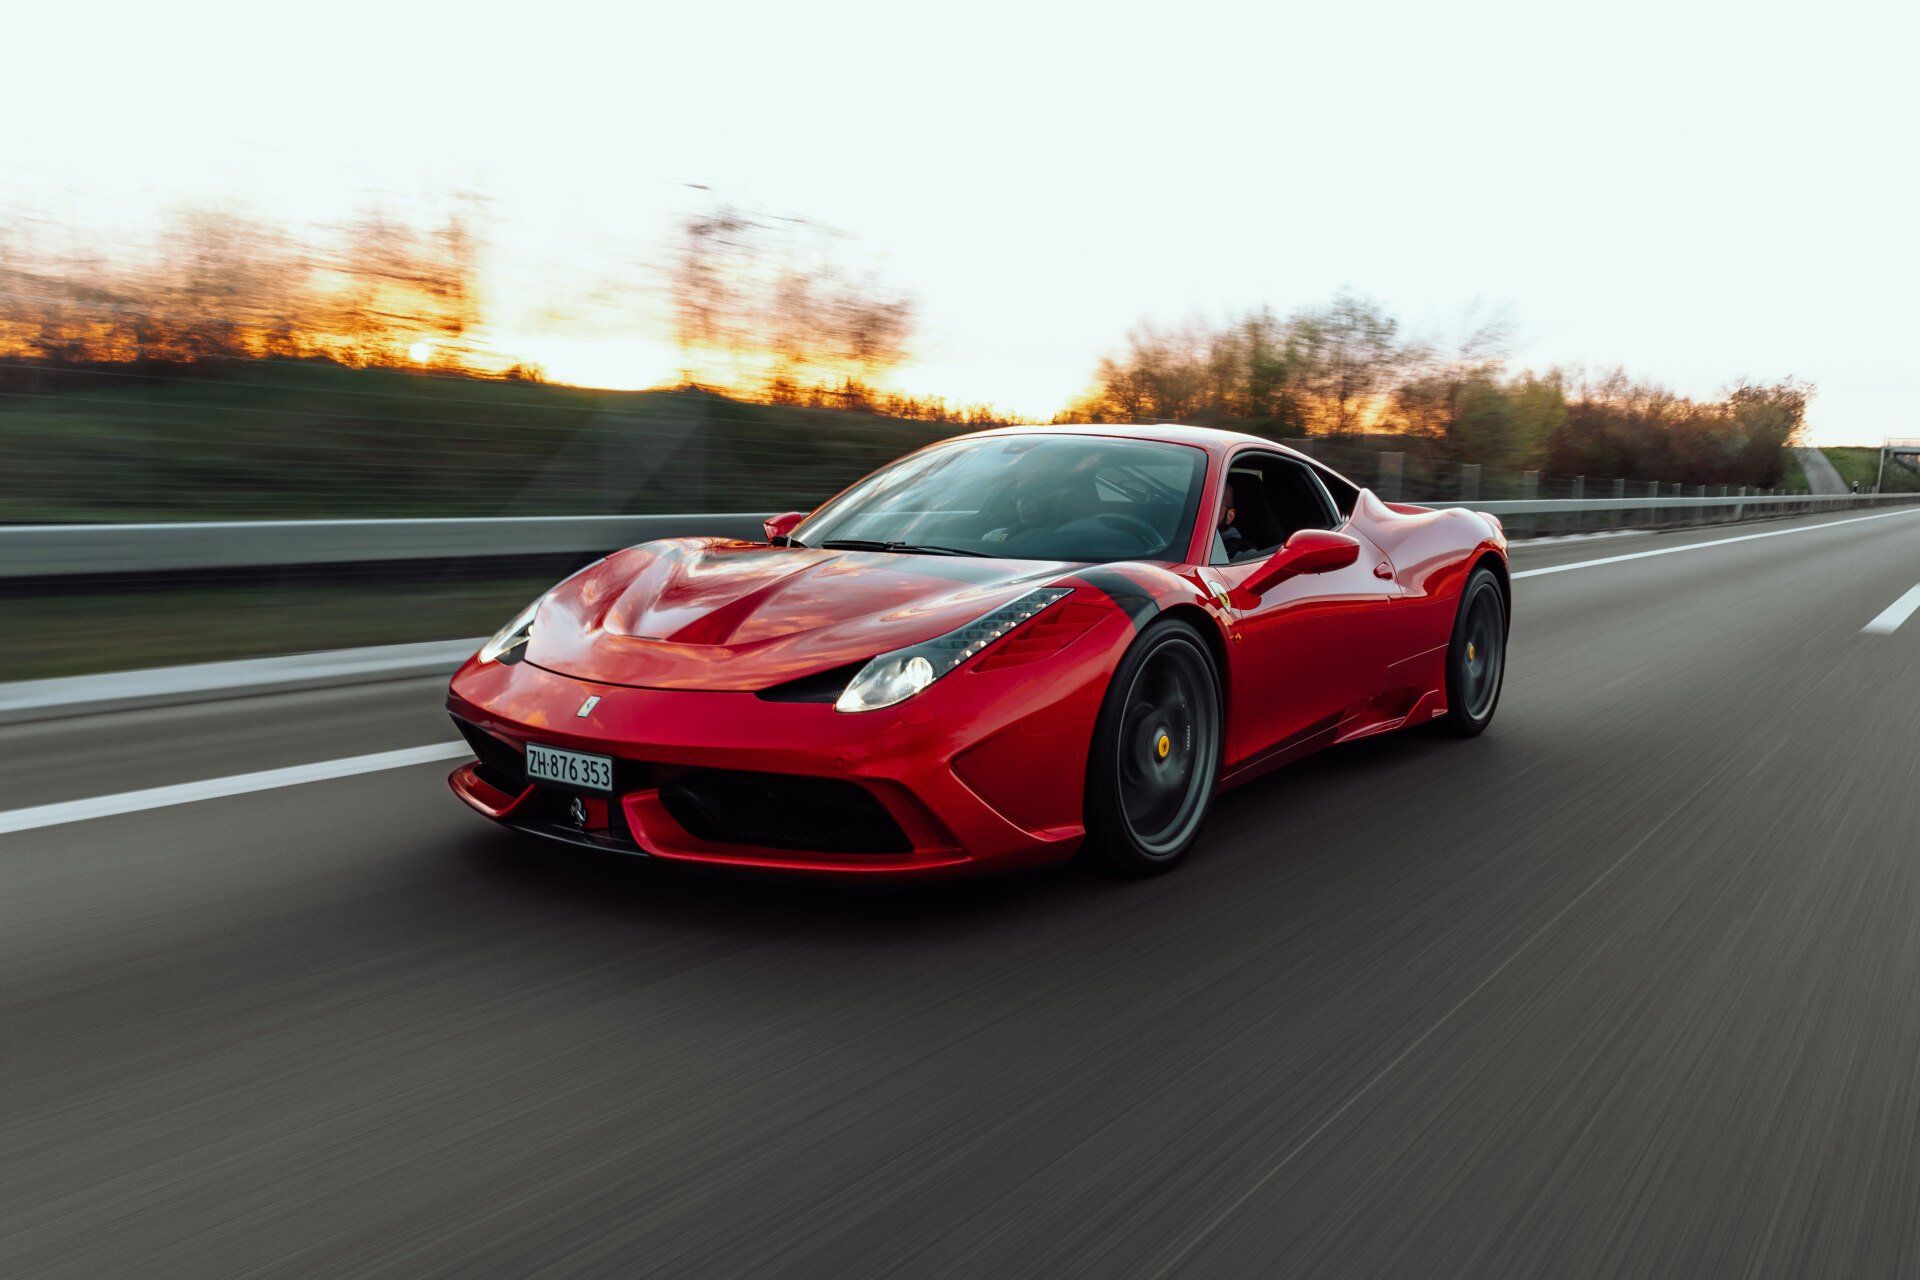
1470,481
1388,485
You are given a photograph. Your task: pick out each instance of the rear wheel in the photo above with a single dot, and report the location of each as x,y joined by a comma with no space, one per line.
1477,655
1156,752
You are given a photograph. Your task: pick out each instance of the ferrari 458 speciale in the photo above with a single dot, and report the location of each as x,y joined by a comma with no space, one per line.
1004,649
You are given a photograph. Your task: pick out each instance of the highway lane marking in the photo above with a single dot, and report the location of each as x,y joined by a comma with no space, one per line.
1556,539
239,784
1702,546
1888,620
1199,1238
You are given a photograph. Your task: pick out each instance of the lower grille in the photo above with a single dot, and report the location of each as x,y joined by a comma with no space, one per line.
762,810
548,813
499,764
782,811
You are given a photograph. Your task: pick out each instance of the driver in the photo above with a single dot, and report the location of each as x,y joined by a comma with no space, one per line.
1044,498
1231,538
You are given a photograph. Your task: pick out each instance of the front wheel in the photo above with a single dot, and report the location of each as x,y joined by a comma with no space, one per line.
1156,752
1477,655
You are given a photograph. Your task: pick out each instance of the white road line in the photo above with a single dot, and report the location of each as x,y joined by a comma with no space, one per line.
1889,619
1704,546
54,815
1558,538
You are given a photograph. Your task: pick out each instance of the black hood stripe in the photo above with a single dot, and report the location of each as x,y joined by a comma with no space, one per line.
1123,591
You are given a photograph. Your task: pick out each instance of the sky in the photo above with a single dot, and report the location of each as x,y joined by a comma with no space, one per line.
1700,193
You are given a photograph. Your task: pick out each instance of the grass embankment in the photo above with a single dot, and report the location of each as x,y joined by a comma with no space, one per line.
115,630
1861,464
268,440
1793,476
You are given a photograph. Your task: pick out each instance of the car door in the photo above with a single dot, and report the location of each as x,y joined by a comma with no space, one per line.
1309,650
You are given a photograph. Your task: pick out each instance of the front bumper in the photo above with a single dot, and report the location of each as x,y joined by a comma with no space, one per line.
983,770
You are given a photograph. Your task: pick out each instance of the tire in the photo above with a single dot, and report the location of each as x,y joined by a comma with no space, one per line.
1156,753
1477,655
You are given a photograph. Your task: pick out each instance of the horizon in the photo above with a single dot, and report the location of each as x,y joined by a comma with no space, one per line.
1718,252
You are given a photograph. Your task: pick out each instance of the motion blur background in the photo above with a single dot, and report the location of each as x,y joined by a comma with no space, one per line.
393,262
333,326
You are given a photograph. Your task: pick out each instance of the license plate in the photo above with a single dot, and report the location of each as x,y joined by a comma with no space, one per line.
569,768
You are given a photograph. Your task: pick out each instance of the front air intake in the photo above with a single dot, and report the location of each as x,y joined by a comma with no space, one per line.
501,765
782,811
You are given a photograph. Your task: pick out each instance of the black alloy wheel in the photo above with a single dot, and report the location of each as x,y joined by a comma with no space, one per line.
1156,752
1477,655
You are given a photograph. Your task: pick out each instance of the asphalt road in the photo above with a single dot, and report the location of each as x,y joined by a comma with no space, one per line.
1630,985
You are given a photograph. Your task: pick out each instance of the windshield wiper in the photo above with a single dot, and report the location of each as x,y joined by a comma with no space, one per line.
906,548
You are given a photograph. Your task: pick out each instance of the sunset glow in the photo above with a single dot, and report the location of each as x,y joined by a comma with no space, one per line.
1005,218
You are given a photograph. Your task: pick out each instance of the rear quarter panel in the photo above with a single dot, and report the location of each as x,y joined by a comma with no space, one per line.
1432,551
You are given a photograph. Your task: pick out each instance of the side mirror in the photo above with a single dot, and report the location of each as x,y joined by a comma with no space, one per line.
778,527
1308,551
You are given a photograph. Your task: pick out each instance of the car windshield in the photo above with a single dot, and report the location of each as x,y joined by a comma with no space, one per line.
1027,497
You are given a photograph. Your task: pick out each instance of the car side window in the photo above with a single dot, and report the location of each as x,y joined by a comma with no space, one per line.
1344,492
1268,499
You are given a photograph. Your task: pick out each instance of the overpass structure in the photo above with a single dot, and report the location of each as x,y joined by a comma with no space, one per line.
1902,453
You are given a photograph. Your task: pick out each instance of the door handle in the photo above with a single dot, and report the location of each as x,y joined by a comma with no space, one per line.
1383,570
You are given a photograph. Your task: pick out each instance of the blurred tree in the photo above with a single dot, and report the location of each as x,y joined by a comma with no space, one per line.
60,307
765,306
219,285
1618,427
709,286
1343,368
395,291
222,286
1246,371
1160,376
1264,366
1771,417
1351,357
1330,369
1456,394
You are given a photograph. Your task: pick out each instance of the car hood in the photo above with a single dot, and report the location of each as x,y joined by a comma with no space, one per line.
705,613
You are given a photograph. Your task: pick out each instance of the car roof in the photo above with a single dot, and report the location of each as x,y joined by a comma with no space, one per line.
1214,440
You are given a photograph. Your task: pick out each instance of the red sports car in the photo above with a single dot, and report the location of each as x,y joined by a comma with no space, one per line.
1004,649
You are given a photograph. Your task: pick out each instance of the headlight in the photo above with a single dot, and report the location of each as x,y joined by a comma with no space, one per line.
509,642
897,676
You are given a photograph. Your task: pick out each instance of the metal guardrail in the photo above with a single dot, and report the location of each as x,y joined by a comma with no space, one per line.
1785,504
74,550
79,550
1533,517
